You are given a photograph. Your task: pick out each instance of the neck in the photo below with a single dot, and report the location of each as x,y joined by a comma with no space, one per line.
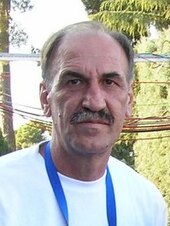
80,167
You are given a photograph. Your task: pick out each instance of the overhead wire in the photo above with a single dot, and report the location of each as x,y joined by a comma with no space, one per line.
138,57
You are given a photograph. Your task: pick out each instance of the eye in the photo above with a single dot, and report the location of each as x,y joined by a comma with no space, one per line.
74,81
109,82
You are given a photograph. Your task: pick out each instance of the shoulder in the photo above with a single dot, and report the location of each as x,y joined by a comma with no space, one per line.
21,168
141,196
21,155
18,161
136,185
122,172
17,156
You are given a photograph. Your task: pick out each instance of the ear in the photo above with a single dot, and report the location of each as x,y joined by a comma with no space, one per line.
129,102
44,100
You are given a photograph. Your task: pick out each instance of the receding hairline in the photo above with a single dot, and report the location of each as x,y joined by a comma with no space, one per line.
55,40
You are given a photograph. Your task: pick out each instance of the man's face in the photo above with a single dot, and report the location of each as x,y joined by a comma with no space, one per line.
90,96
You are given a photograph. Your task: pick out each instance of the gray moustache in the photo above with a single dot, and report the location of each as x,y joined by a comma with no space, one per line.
86,115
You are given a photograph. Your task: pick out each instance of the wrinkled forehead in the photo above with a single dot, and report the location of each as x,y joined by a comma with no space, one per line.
89,52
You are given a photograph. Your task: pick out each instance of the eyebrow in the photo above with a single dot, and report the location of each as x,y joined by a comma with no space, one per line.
69,73
111,74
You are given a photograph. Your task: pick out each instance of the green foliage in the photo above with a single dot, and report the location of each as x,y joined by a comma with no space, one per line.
123,149
163,92
22,5
29,134
154,94
124,152
18,36
152,150
132,17
4,149
9,30
153,160
92,6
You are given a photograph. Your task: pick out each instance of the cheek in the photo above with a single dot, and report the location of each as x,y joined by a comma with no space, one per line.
118,106
55,103
65,105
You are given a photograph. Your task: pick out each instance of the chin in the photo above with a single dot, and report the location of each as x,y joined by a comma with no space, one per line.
88,149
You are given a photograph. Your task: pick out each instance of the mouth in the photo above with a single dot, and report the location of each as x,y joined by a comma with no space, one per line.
94,122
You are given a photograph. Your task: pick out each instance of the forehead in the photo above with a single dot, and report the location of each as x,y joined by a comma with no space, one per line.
91,50
90,42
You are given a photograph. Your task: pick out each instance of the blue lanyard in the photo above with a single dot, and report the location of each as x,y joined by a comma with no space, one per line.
59,193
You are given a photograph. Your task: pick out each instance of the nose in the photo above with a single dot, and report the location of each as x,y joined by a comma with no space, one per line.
94,98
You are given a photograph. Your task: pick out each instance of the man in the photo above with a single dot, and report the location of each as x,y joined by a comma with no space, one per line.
72,180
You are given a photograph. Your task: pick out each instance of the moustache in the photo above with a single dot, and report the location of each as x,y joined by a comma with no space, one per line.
87,115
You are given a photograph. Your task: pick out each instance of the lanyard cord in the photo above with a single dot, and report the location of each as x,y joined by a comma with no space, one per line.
60,196
111,203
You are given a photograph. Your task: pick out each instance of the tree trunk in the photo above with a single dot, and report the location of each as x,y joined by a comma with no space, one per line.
6,112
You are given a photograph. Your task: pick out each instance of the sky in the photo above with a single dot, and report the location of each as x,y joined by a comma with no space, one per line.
46,17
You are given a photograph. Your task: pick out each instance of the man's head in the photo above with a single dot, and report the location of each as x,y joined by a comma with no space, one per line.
87,74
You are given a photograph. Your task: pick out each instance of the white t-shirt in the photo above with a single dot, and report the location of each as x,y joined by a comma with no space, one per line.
27,198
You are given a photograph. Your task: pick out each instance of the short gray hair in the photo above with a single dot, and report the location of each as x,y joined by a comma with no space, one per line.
54,41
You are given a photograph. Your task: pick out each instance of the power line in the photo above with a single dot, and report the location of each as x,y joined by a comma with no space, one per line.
144,57
152,82
145,138
139,57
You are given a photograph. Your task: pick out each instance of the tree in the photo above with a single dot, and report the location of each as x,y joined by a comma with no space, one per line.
132,17
152,150
123,150
29,134
9,33
4,149
92,6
